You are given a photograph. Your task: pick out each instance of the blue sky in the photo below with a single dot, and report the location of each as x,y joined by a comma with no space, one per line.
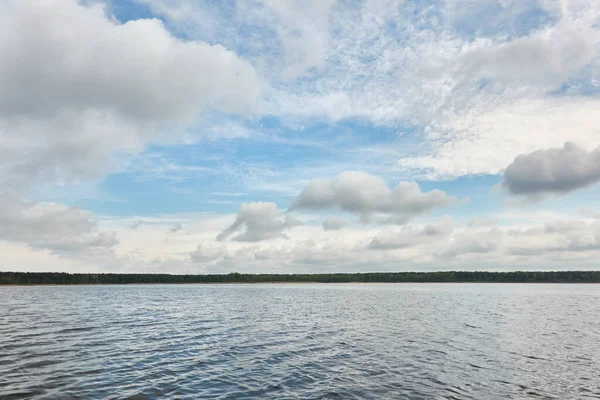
209,136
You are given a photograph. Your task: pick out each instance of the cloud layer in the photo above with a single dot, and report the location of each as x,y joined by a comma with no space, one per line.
205,105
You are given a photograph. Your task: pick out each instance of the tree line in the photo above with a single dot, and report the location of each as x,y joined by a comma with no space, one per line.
61,278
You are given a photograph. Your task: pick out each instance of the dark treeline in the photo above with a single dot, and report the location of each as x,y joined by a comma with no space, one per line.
59,278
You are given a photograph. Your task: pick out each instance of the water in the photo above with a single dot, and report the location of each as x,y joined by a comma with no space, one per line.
364,341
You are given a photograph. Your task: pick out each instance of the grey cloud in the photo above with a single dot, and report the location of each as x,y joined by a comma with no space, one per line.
334,223
365,194
260,221
552,171
411,236
176,228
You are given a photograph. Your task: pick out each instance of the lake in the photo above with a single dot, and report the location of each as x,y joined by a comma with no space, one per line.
301,341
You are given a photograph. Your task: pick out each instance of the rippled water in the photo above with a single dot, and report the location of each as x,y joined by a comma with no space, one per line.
419,341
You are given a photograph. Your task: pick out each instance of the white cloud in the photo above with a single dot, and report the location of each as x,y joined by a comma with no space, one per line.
365,194
489,137
410,236
555,237
475,241
333,223
438,245
261,221
371,67
61,229
75,95
547,57
208,252
76,98
302,27
136,69
552,171
558,243
297,31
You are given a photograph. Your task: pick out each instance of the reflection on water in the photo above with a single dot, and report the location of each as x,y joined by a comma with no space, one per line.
420,341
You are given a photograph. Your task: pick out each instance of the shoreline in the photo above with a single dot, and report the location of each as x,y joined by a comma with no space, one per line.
296,283
234,278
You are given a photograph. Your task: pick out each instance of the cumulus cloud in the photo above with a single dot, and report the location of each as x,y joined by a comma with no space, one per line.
61,229
261,221
74,95
364,194
78,97
208,252
552,171
51,64
332,223
411,235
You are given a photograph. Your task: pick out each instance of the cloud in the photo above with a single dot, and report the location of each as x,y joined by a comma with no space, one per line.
560,242
474,241
76,96
290,38
437,245
261,222
334,223
364,194
489,137
549,56
552,171
61,229
208,252
559,236
50,64
410,236
176,228
302,28
137,224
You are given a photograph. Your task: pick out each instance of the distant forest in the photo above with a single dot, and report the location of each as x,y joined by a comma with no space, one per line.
59,278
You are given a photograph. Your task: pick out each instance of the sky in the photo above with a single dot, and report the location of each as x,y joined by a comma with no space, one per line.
299,136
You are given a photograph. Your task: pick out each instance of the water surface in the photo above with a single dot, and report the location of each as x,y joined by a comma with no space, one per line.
341,341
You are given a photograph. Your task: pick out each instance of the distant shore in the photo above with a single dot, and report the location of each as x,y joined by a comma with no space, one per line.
61,278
